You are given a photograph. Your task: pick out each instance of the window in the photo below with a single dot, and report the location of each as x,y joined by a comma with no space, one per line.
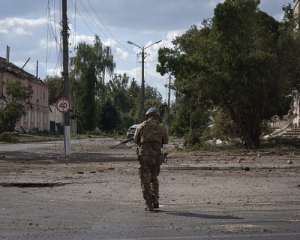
44,95
37,93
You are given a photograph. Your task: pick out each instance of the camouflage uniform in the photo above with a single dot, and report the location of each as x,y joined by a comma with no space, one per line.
150,137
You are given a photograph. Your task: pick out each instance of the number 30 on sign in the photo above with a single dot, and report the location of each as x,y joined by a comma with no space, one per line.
63,105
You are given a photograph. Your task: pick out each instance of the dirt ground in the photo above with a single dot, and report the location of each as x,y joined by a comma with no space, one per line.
96,173
95,158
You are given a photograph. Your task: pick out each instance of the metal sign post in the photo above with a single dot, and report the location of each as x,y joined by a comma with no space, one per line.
63,105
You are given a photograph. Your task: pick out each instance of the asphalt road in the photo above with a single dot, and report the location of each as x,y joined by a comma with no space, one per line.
98,196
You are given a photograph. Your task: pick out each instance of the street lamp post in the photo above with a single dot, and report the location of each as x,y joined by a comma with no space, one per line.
142,112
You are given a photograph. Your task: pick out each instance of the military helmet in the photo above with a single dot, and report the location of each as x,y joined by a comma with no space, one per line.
153,110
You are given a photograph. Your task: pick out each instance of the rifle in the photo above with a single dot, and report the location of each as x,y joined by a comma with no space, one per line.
123,142
165,160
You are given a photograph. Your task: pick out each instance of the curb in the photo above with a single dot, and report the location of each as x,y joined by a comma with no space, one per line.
231,168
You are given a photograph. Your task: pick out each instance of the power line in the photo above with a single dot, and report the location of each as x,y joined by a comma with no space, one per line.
47,55
74,35
97,26
93,19
103,25
83,19
52,30
107,29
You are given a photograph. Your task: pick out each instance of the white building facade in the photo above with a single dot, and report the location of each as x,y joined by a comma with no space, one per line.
296,94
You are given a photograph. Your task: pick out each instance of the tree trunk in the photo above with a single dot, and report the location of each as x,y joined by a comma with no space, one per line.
244,122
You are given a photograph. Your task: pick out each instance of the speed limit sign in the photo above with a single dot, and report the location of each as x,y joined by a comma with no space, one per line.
63,105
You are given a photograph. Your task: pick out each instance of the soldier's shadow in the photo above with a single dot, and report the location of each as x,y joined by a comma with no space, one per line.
197,215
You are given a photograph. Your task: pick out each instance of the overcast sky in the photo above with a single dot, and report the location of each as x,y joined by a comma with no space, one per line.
32,30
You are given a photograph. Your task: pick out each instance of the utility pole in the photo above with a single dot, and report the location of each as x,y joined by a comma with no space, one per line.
168,117
7,53
65,74
37,69
142,111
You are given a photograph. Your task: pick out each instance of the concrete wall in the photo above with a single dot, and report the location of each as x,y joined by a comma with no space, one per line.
58,117
296,108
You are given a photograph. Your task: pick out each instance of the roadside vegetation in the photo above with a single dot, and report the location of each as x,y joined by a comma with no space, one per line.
232,74
7,137
239,68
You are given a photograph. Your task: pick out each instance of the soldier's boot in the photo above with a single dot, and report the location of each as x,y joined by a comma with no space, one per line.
148,206
155,187
147,194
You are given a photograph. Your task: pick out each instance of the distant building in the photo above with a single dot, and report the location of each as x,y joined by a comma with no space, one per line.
37,111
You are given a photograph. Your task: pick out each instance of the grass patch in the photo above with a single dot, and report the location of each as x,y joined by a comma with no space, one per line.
7,137
36,138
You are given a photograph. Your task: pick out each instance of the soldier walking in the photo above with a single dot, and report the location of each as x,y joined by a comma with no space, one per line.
150,137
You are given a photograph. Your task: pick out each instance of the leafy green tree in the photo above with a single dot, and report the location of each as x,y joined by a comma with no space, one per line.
152,93
118,87
180,124
14,109
86,104
104,59
254,52
109,117
83,86
153,98
134,95
223,127
55,85
193,105
240,61
126,98
88,90
104,64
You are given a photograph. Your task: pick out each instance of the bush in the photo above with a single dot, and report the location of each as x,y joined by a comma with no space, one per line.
96,132
193,138
8,137
44,132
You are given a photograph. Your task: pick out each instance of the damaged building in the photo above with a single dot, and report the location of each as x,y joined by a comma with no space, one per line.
37,110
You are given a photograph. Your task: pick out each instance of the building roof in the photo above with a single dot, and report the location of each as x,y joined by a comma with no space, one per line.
20,73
